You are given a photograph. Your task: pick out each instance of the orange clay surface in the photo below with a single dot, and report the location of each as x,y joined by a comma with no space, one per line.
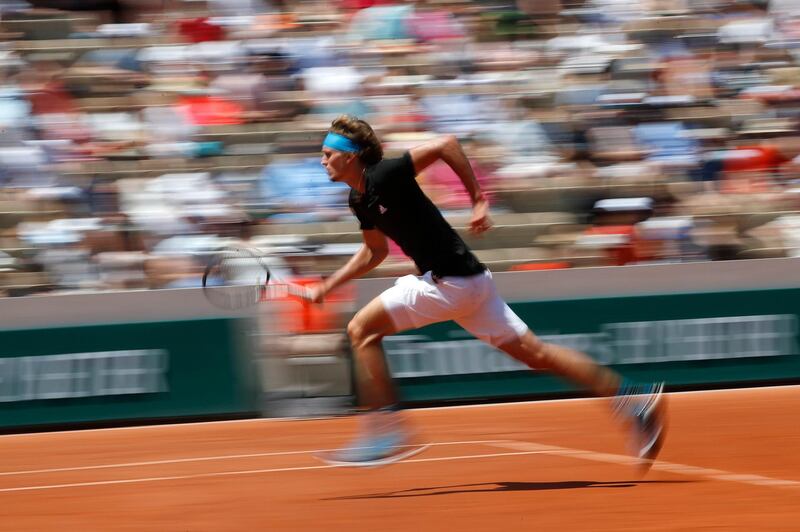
731,462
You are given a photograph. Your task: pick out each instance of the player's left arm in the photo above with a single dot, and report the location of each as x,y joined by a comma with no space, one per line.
449,150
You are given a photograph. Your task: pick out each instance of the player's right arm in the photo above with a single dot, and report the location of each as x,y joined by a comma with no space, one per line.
369,256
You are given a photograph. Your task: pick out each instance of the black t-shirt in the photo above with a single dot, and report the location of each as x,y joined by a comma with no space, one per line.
393,203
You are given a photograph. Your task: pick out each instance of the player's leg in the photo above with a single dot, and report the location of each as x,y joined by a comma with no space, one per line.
384,436
642,405
411,303
493,321
366,331
567,363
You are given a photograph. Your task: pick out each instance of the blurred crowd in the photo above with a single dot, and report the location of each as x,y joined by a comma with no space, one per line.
138,137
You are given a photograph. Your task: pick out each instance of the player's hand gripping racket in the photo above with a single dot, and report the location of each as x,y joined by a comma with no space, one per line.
239,277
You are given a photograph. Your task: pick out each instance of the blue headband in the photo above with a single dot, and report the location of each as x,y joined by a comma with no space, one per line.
340,143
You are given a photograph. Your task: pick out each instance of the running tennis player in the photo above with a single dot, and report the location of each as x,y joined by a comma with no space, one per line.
453,285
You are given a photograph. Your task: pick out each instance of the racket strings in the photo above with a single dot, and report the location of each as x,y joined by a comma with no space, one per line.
240,278
236,280
233,296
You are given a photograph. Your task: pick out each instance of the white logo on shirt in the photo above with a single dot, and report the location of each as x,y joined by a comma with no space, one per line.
382,209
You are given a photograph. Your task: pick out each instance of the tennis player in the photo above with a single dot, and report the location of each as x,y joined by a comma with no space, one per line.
452,285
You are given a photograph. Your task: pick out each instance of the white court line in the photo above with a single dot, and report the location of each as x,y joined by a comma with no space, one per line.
207,458
453,407
522,448
252,472
659,465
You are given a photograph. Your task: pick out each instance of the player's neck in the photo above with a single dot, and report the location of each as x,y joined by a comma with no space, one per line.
357,179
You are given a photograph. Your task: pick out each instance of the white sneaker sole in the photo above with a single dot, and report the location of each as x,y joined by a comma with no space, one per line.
411,451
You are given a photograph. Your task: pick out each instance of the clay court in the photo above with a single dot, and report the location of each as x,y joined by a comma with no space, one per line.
729,463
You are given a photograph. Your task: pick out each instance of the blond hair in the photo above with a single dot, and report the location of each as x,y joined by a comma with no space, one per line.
362,134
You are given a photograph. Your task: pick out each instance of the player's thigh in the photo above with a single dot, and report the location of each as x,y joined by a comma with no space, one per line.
371,323
494,322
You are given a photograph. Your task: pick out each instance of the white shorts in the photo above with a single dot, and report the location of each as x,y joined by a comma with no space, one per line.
472,302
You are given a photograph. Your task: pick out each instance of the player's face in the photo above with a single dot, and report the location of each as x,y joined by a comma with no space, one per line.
336,162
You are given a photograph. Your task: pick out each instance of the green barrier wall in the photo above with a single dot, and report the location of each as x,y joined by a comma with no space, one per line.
685,339
92,373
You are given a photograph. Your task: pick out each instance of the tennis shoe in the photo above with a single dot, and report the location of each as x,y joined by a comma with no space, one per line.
645,409
375,448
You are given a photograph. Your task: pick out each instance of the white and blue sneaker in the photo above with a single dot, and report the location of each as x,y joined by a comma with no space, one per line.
373,451
383,441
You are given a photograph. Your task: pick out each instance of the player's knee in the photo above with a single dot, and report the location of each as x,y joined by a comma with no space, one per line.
360,334
353,330
539,354
529,350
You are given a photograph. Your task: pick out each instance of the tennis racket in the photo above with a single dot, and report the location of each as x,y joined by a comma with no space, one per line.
239,277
